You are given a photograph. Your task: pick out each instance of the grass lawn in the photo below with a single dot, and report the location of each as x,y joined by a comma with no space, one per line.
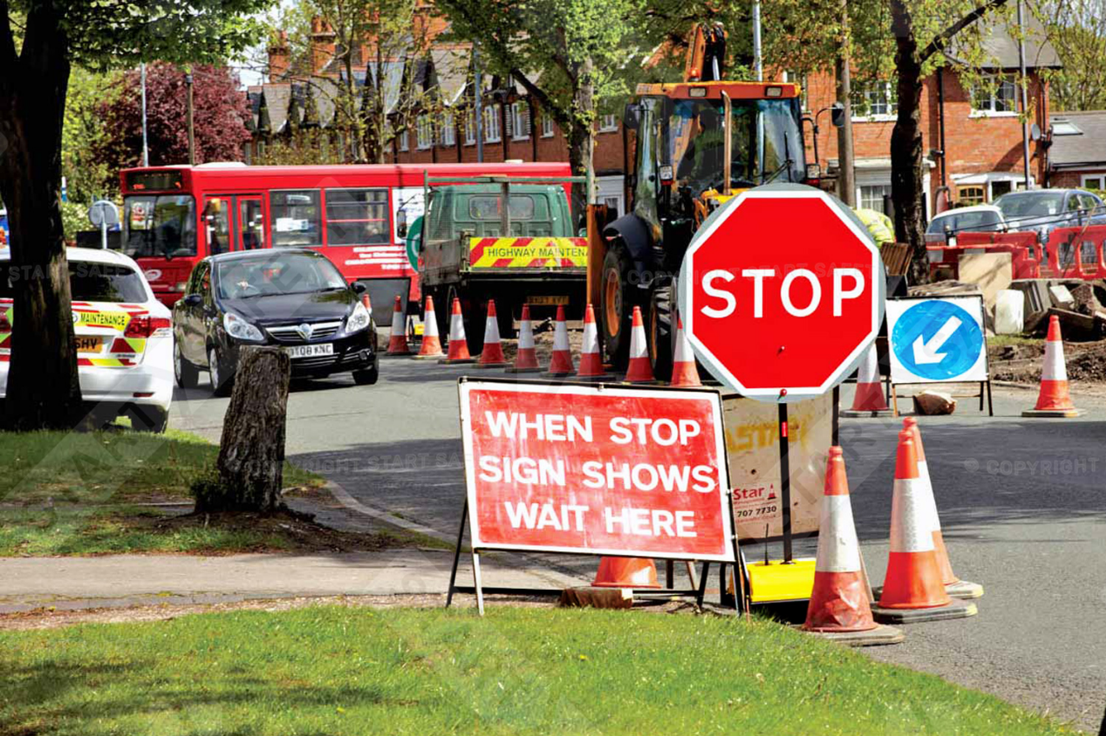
71,493
337,670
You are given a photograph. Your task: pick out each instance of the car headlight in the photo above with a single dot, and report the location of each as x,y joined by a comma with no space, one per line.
240,329
359,319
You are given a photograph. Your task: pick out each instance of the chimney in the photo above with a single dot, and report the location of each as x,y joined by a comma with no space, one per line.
322,44
278,56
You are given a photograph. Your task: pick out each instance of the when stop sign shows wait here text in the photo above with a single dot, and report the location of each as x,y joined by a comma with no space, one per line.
781,290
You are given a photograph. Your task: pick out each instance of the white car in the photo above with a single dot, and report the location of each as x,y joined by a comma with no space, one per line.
124,337
985,218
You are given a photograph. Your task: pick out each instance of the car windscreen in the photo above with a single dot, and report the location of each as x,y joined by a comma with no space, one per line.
275,273
984,220
88,282
1038,204
159,225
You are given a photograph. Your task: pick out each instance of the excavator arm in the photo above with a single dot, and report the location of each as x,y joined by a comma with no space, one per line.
706,54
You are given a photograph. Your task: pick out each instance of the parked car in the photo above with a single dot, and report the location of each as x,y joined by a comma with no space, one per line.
1043,210
980,218
123,337
292,298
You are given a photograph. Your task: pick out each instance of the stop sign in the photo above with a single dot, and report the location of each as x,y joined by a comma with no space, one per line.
780,293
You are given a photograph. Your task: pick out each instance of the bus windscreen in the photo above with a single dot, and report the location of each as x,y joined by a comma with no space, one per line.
159,225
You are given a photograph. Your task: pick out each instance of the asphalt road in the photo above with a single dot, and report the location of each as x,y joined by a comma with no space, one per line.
1023,507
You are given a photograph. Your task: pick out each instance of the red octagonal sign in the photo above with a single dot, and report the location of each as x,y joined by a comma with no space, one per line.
781,291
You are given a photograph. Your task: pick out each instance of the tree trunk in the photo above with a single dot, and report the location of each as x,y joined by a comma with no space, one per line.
42,389
906,142
251,453
581,134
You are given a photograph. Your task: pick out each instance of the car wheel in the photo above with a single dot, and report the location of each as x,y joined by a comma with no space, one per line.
222,378
186,374
149,419
366,377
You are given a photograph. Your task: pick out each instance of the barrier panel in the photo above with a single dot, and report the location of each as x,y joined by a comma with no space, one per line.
1077,252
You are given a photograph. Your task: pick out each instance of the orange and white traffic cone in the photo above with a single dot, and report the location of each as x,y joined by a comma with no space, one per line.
684,372
591,363
954,586
431,341
639,370
526,359
626,572
1054,399
839,602
397,341
868,401
560,364
492,355
912,588
458,344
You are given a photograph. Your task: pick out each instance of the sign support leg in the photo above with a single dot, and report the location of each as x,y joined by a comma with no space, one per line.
703,584
476,582
457,554
785,484
895,399
990,401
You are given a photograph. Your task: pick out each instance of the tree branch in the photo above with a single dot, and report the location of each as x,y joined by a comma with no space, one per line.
944,37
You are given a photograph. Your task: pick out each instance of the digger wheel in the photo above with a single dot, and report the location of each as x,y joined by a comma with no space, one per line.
617,306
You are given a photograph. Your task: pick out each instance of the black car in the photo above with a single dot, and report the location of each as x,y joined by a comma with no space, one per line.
292,298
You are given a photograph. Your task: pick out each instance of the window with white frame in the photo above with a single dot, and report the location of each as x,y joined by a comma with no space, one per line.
491,124
403,145
424,132
995,95
608,124
876,100
449,136
871,196
546,126
470,127
1094,181
518,121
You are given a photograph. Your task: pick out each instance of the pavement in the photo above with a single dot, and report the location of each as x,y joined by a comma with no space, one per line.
1020,501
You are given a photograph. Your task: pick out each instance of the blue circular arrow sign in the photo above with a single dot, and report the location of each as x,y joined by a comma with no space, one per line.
937,340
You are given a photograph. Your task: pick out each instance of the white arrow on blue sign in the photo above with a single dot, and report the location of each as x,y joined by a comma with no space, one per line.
937,340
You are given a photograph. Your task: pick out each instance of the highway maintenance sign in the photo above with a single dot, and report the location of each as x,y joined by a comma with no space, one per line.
937,340
780,292
596,470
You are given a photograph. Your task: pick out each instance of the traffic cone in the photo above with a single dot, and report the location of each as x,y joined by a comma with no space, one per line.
492,355
912,588
591,364
367,303
640,370
1054,399
868,401
839,602
397,341
954,586
431,342
560,364
526,359
458,345
626,572
684,372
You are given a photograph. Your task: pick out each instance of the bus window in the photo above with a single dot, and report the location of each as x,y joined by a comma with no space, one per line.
357,217
159,225
296,218
217,222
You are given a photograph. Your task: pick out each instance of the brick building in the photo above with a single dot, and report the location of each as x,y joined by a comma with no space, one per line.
1077,154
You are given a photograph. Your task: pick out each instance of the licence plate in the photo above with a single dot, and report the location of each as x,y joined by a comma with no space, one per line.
310,351
548,301
87,344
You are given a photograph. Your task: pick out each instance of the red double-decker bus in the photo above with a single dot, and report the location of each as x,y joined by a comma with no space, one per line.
357,215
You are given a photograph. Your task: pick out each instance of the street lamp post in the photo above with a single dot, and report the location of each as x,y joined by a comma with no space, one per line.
145,146
191,130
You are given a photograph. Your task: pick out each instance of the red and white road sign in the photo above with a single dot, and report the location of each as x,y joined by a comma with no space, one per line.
781,289
595,470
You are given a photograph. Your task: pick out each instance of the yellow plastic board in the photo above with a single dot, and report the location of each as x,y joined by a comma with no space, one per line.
779,582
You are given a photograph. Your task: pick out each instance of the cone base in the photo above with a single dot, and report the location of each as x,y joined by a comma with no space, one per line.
589,596
641,381
431,356
838,602
879,636
954,609
398,354
597,378
512,369
626,572
854,414
1053,413
504,364
964,590
456,361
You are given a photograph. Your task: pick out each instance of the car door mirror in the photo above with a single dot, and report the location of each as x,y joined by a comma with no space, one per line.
360,288
193,300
